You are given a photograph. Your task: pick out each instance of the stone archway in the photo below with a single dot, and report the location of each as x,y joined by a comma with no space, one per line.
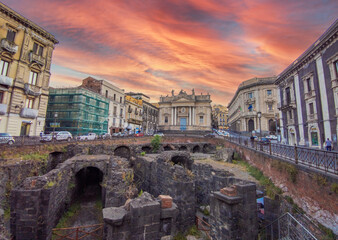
146,149
183,148
196,149
88,182
122,151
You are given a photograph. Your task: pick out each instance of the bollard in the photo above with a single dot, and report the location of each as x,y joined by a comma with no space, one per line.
296,155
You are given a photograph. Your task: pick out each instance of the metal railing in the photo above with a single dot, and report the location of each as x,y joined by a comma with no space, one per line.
325,161
203,226
76,233
286,227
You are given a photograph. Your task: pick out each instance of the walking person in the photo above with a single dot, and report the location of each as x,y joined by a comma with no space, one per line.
328,145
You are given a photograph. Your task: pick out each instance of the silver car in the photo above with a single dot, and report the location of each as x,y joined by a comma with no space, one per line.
63,135
6,138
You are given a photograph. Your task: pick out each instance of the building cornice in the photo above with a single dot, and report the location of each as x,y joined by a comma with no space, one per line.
26,22
311,53
253,82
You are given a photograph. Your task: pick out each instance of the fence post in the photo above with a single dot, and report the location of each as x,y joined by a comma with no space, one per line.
296,155
77,234
270,147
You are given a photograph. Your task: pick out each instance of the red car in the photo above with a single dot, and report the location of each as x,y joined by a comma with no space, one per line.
138,135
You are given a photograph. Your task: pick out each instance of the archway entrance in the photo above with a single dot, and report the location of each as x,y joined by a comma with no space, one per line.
88,182
251,125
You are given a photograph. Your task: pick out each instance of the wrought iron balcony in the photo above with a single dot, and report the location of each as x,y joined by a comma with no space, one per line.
29,113
9,46
32,90
37,59
4,80
3,109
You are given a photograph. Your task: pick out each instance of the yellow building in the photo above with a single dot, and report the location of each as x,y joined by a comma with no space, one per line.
25,60
134,111
220,117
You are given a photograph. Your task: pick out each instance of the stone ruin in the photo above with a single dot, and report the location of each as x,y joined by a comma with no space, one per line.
38,203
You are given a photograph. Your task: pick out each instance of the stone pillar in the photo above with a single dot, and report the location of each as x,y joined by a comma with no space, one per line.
190,120
172,115
279,98
299,111
234,213
142,218
323,97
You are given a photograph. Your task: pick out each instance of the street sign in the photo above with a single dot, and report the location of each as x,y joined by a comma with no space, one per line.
54,125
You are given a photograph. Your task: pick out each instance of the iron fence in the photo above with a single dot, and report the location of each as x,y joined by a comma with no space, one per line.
326,161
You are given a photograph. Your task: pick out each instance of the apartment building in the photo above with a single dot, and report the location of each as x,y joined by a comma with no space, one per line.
25,60
116,96
308,94
254,106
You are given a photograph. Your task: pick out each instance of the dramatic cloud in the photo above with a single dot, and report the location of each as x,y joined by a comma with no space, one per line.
154,46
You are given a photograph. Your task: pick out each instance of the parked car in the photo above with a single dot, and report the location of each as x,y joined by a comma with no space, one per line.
210,135
89,136
63,136
6,138
272,137
264,141
46,138
139,135
159,134
104,136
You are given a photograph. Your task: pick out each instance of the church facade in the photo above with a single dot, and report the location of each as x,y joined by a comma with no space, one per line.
185,112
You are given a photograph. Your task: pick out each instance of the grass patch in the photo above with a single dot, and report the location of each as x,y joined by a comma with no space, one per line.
194,232
179,236
334,188
329,233
67,217
271,190
35,156
287,167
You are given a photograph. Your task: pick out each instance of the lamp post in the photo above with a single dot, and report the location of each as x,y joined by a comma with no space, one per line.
276,124
259,115
55,116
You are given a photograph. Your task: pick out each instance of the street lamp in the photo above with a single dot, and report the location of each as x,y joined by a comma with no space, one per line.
259,115
55,116
276,124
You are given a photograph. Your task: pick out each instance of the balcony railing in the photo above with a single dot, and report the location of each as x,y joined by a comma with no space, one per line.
29,113
310,94
250,100
32,90
3,109
37,58
9,46
7,81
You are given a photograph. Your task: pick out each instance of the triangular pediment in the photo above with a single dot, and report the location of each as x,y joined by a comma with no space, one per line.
183,99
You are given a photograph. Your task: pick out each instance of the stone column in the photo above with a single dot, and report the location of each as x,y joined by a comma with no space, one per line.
323,97
190,120
280,115
172,115
299,111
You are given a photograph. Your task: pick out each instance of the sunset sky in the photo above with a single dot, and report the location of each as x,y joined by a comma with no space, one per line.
153,46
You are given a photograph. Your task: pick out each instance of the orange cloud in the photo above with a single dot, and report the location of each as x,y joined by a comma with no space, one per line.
155,46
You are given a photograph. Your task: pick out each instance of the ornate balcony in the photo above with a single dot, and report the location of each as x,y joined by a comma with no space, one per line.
250,100
310,94
4,80
37,59
9,46
3,109
32,90
29,113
